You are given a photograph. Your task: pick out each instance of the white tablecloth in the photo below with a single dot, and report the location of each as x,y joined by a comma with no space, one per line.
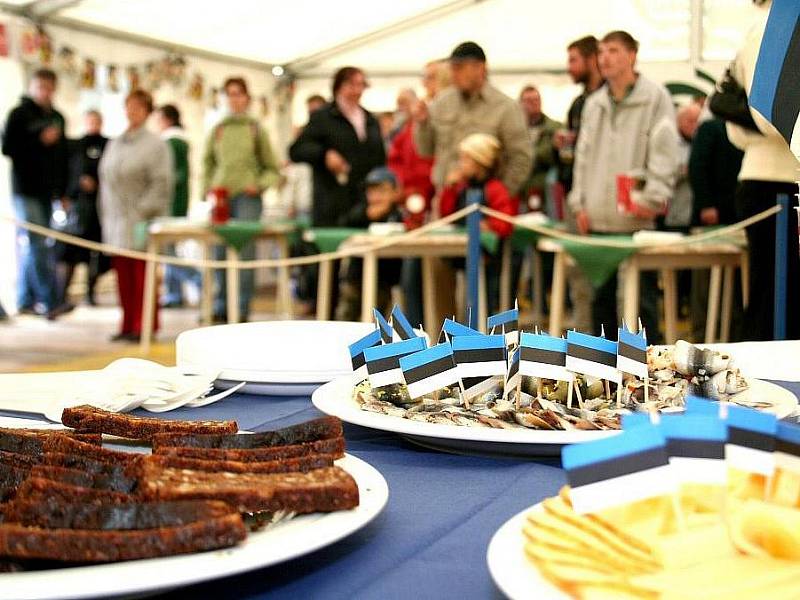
766,360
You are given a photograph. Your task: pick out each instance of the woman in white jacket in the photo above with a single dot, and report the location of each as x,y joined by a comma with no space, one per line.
769,169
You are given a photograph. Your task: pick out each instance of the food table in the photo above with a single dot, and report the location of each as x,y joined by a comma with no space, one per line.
234,235
431,539
721,257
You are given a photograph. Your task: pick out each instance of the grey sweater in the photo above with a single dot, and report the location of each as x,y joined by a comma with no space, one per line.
135,184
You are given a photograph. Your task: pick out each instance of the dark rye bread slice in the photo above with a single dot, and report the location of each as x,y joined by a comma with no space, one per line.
39,489
83,463
288,465
87,418
66,445
31,441
112,480
333,446
21,461
317,429
11,478
83,545
54,514
321,490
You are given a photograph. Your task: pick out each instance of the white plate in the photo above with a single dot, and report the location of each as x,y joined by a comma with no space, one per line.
272,351
270,389
513,573
282,542
336,398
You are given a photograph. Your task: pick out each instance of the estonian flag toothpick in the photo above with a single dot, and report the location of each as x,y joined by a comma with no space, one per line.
787,447
507,323
696,447
357,348
402,328
429,370
383,326
635,461
632,352
383,362
452,328
544,356
591,355
751,440
481,361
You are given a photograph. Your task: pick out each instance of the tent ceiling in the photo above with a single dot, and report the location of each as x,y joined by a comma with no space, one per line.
315,37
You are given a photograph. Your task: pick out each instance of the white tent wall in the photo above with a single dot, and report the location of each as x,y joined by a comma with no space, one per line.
197,116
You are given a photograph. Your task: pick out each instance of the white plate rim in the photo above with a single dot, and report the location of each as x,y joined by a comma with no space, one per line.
510,569
329,399
284,541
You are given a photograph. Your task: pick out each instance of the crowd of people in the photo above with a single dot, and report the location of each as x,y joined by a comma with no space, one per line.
625,158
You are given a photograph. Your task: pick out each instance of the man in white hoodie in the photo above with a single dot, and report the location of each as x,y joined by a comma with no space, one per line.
769,169
627,128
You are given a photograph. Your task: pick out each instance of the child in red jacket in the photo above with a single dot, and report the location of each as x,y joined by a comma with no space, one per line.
478,154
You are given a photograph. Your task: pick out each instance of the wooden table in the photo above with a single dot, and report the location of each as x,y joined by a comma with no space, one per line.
721,258
173,231
426,247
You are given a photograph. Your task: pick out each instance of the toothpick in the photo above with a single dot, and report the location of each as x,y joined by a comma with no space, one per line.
608,389
539,388
569,392
602,331
619,395
646,390
580,398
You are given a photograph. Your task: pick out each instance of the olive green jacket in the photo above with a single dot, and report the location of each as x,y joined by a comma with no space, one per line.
238,154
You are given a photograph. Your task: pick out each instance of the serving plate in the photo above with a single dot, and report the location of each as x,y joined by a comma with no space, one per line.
336,398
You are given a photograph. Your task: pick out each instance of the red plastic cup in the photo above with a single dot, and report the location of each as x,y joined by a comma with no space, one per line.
220,207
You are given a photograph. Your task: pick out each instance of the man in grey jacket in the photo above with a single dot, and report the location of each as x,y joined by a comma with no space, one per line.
627,128
473,105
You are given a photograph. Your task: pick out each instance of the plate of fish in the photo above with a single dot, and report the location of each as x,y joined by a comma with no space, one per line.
196,500
539,415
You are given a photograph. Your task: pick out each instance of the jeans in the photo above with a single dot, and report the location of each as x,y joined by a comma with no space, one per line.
37,276
174,278
246,208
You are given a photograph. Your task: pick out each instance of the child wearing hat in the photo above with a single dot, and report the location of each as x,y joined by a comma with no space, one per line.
477,166
381,205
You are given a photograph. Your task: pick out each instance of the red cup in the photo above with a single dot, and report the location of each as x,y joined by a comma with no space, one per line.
625,185
220,207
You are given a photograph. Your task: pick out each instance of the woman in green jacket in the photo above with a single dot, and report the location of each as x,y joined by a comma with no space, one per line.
238,157
168,120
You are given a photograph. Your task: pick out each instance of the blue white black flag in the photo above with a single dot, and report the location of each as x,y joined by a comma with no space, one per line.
383,362
402,328
591,355
429,370
481,361
751,440
544,356
696,447
632,353
507,323
383,326
787,447
357,359
775,91
513,376
452,329
635,461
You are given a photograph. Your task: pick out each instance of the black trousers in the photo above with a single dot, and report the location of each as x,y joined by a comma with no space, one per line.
753,197
604,307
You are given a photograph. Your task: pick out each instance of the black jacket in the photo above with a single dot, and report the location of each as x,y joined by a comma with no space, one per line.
714,165
37,170
84,158
329,129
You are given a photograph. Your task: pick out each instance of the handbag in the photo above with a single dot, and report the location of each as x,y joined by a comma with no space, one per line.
729,102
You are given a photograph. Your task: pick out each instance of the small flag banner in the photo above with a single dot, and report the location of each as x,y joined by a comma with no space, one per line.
632,353
702,406
591,355
402,328
751,440
696,447
357,359
544,356
383,362
513,376
635,461
506,323
429,370
481,361
787,447
383,326
451,329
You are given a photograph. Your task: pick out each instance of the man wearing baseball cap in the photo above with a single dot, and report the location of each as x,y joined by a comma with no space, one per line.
473,105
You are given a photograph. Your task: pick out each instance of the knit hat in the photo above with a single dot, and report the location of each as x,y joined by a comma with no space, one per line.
482,148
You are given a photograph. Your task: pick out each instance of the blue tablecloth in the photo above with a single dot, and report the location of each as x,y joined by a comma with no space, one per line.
429,542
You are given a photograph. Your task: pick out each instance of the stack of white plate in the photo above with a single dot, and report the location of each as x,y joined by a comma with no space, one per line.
278,358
